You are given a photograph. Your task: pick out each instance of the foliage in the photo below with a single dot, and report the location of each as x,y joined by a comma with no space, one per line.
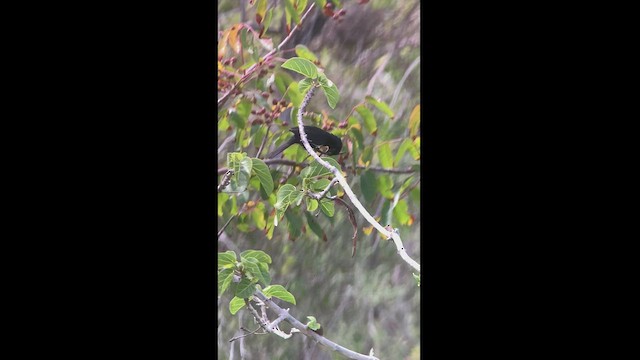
269,205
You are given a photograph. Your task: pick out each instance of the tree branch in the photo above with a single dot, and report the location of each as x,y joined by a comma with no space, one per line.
304,165
392,234
303,329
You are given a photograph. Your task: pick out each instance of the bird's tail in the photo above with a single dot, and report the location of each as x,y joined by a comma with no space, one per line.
281,148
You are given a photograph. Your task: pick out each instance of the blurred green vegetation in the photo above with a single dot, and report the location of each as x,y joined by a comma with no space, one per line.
367,301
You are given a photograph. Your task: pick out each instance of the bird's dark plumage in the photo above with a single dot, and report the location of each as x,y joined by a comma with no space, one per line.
318,139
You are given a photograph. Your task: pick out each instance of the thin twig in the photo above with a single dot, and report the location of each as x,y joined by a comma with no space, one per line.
304,165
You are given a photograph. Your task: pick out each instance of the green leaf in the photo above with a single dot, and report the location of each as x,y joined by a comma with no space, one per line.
415,149
225,276
301,66
241,164
401,212
258,216
294,95
313,224
264,270
236,304
267,21
384,154
313,323
304,85
316,170
282,81
291,13
287,193
304,52
404,146
260,255
227,259
385,184
368,185
320,185
301,5
414,121
327,207
380,105
417,277
222,199
252,270
356,134
330,90
245,288
280,292
312,204
261,170
367,117
294,225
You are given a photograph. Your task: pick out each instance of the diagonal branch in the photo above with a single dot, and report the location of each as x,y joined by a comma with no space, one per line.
390,233
303,329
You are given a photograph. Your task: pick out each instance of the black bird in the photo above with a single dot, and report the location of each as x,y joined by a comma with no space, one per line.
322,141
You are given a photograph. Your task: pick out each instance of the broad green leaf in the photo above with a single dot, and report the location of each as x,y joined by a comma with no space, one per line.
260,255
286,194
261,170
222,199
327,207
225,276
304,85
356,134
404,146
414,121
304,52
368,185
236,304
282,81
241,165
280,292
300,6
252,270
264,270
316,170
267,21
320,185
301,66
312,204
294,225
384,155
291,13
245,288
294,95
401,212
380,105
330,90
313,224
385,184
227,259
367,117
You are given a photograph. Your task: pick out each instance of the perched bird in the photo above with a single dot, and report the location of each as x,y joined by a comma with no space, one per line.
322,141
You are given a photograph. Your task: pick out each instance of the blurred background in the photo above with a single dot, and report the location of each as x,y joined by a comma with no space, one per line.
370,300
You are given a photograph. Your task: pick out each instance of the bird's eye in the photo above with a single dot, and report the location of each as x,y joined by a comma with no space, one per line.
323,149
